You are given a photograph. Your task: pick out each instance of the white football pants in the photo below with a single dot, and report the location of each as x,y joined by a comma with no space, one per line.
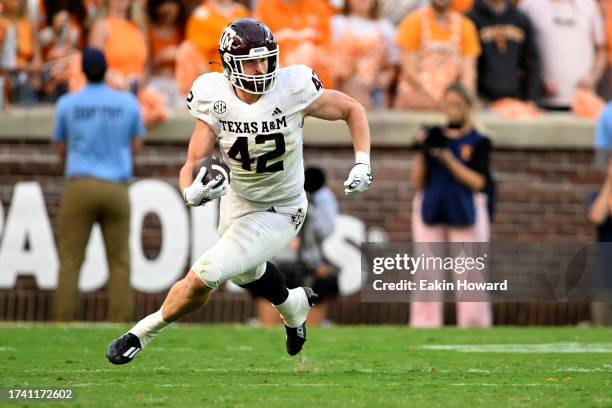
250,236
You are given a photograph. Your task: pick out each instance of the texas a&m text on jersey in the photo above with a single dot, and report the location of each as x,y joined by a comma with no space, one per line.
261,142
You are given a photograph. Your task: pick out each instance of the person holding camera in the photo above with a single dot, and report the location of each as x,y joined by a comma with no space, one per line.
452,178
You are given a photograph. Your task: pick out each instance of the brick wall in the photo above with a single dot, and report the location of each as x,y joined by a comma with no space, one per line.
540,193
540,198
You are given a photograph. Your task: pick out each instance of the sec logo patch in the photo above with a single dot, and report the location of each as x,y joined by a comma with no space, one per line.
219,107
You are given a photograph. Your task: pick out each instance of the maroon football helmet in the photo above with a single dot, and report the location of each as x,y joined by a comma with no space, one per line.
244,40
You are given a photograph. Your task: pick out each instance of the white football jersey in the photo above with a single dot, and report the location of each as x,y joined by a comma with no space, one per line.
261,142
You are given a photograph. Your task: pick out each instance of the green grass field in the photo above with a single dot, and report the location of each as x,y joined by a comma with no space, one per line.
358,366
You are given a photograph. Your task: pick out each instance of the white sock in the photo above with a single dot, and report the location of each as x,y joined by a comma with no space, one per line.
292,310
149,327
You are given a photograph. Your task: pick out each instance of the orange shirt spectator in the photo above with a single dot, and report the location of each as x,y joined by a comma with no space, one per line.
8,48
25,42
366,54
439,46
25,56
166,27
206,23
165,31
119,33
606,8
605,84
160,45
28,52
462,6
302,29
410,34
125,47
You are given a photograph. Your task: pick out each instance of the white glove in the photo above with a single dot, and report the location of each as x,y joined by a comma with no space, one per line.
359,179
199,194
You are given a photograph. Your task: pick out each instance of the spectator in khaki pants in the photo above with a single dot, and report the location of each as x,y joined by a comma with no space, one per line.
96,132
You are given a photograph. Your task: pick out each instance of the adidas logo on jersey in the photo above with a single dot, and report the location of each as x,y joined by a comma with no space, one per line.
277,111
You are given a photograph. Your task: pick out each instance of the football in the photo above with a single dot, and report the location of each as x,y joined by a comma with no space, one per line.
214,168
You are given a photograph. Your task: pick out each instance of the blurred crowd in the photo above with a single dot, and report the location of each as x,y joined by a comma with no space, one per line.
520,57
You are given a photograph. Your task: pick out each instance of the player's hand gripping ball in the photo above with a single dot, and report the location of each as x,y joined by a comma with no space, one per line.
215,169
211,181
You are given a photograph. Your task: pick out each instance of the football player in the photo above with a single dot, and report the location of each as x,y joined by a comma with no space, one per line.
255,110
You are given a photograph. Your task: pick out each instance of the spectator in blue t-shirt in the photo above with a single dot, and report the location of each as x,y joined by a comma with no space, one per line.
603,130
96,133
600,214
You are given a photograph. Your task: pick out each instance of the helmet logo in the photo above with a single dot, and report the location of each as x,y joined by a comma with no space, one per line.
219,107
227,38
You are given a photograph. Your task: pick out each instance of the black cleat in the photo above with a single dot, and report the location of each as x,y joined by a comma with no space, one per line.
312,297
296,336
124,349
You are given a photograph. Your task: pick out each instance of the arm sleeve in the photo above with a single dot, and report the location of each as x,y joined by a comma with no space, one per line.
200,100
60,127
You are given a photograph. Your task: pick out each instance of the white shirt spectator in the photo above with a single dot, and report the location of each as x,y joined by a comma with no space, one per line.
362,27
396,10
567,34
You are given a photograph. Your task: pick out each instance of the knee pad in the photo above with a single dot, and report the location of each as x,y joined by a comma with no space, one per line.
209,271
250,276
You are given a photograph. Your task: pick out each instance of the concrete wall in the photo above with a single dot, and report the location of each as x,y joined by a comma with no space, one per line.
543,168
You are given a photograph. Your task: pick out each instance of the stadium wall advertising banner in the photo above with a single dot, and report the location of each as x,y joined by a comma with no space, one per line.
28,246
547,272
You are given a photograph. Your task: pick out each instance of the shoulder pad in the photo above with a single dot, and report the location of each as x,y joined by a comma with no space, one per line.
296,77
206,86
